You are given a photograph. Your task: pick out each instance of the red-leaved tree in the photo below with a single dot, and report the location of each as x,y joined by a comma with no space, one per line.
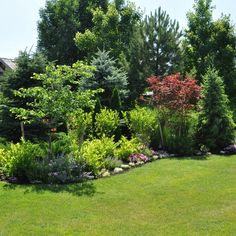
174,93
174,97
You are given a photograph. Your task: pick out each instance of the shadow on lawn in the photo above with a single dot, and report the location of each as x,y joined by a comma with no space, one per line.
78,189
198,158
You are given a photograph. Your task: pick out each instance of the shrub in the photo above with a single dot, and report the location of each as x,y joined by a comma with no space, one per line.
29,162
61,144
106,122
179,133
61,169
19,160
95,152
126,148
80,126
142,122
111,163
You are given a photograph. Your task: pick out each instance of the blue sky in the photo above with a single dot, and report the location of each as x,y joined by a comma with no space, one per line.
18,19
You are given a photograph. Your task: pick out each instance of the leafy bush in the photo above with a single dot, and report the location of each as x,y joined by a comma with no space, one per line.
61,169
142,122
29,162
111,163
95,152
80,125
126,148
61,144
19,160
179,133
106,122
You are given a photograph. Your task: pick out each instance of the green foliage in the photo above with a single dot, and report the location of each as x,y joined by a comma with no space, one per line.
28,162
161,37
59,21
61,169
95,152
80,126
59,95
61,144
112,30
210,42
19,160
115,102
108,77
143,123
179,133
106,122
198,43
127,147
27,64
111,163
215,124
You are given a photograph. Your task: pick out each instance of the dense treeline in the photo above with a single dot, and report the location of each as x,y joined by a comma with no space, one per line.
108,82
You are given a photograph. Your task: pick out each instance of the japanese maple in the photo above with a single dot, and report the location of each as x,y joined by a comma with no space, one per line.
174,93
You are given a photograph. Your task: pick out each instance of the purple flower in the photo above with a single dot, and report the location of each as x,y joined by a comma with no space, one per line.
138,157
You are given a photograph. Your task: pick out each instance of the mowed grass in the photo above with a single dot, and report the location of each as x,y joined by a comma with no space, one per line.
167,197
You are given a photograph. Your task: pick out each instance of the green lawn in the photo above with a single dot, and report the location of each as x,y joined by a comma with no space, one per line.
167,197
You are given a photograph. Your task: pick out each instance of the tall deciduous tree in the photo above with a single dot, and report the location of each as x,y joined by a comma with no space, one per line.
208,42
112,31
215,125
198,43
59,21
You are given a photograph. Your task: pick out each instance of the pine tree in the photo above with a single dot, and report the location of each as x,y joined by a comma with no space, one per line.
215,124
161,37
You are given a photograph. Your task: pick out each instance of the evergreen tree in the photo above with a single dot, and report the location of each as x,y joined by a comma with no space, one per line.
215,124
107,76
115,103
161,37
27,65
153,50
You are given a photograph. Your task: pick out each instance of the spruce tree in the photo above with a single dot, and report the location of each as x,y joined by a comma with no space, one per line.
107,76
215,125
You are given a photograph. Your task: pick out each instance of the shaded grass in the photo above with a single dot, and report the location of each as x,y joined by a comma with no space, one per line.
167,197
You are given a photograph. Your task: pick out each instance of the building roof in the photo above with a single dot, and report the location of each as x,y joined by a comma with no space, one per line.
7,63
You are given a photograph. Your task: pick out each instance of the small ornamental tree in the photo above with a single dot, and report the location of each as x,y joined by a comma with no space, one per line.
215,123
59,95
174,98
174,93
